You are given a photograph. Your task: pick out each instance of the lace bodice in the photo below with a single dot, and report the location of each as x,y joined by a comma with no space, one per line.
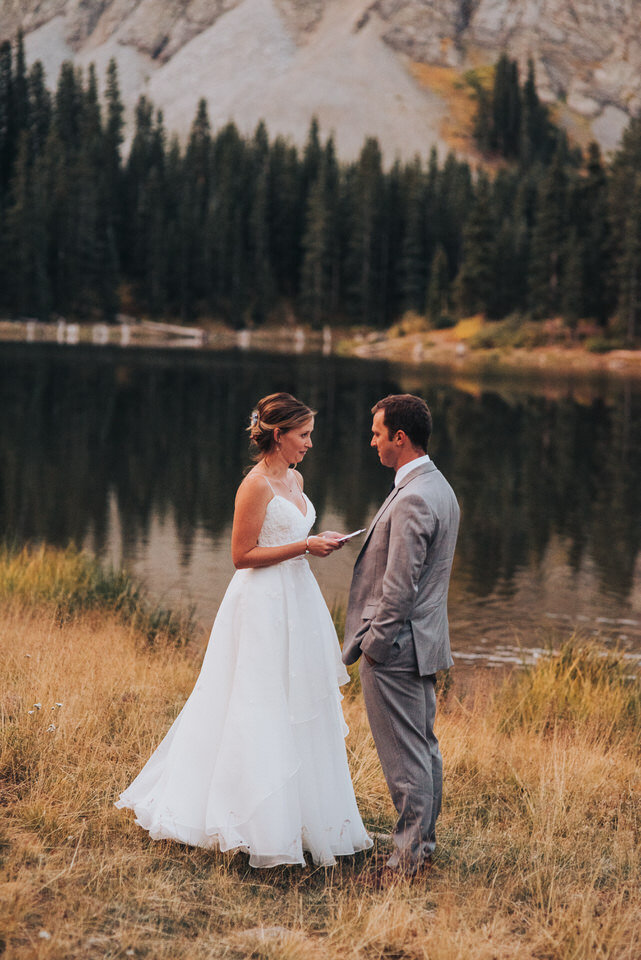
284,523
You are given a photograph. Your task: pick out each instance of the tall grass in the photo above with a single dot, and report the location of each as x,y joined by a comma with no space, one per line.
71,581
583,686
539,838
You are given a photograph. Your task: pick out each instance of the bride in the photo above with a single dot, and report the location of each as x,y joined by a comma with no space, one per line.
256,759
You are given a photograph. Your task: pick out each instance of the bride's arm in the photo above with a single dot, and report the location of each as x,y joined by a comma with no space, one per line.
249,513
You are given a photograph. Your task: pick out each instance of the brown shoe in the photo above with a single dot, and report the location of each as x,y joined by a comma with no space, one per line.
423,871
383,878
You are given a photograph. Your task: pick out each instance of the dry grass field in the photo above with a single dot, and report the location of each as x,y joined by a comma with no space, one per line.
539,848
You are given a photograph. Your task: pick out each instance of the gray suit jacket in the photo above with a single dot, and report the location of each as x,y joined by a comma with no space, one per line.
402,573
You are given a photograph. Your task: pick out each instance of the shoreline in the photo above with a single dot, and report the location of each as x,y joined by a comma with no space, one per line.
447,350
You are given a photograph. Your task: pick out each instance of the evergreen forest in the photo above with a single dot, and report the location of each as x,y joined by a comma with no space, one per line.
251,229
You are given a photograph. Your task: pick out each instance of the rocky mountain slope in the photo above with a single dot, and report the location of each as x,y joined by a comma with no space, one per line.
347,61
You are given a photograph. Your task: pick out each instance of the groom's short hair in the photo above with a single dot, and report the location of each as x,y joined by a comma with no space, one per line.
404,411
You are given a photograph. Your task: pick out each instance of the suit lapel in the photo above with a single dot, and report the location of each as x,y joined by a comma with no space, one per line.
424,468
381,510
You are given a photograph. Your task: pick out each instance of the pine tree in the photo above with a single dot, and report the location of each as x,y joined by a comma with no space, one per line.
432,224
438,290
26,238
629,265
622,212
197,173
20,105
68,107
114,124
111,194
572,298
66,175
506,108
134,236
454,197
335,244
155,282
537,135
508,291
316,270
40,110
413,254
511,199
483,126
171,203
593,226
259,245
284,215
90,237
225,223
308,171
392,230
366,193
7,145
260,145
475,280
312,157
549,240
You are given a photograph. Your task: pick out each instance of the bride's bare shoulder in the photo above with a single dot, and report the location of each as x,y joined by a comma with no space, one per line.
254,485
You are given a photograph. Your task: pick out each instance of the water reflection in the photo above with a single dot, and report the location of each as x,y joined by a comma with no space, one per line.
138,456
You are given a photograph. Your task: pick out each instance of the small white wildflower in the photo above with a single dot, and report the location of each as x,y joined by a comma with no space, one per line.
28,655
130,953
58,704
51,728
44,935
38,706
32,711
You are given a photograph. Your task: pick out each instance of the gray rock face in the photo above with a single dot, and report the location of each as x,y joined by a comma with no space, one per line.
156,27
587,52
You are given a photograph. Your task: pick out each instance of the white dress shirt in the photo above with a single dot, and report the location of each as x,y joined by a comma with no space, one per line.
408,467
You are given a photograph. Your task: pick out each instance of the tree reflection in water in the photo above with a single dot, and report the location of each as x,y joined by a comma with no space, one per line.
163,434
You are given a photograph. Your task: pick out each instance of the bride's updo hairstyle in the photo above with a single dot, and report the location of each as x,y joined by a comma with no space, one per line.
277,411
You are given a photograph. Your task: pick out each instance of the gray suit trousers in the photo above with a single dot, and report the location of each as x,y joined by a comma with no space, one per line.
401,707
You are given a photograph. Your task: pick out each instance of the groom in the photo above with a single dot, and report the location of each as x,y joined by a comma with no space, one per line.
397,620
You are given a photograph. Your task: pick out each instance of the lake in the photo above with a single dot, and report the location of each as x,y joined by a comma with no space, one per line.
136,455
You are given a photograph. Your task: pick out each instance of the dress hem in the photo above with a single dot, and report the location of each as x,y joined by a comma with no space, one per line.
216,840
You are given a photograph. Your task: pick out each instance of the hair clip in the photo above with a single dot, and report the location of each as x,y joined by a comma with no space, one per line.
254,418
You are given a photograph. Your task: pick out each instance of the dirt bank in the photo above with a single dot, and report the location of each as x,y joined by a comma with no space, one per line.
448,348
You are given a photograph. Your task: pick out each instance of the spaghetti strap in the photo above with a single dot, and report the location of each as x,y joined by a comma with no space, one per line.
269,485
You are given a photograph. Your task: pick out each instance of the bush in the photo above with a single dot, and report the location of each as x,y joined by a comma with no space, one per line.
602,344
444,322
514,332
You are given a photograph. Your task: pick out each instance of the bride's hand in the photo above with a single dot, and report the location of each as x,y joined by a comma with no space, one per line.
332,535
323,545
335,535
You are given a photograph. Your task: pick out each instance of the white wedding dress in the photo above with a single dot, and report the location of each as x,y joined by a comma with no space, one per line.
256,759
